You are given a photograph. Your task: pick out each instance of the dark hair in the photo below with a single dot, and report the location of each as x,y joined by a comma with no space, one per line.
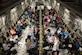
69,31
55,35
0,30
0,44
48,30
28,36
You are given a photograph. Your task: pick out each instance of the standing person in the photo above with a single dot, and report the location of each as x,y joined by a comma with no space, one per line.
56,45
28,43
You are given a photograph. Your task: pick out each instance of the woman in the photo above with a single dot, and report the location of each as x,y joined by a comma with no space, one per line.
56,45
12,31
28,41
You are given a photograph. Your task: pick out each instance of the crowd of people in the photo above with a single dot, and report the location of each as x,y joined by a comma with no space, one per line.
14,35
61,39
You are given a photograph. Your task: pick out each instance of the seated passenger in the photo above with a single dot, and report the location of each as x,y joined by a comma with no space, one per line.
66,33
12,31
13,39
5,46
26,21
19,28
19,23
49,33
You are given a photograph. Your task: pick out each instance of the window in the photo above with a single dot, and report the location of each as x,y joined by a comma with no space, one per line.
54,4
49,7
23,5
14,15
26,3
66,16
78,24
2,21
61,10
57,6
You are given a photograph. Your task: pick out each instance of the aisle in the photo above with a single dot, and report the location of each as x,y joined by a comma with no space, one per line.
21,48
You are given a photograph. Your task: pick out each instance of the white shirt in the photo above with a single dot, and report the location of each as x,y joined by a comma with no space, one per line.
5,47
56,44
13,38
